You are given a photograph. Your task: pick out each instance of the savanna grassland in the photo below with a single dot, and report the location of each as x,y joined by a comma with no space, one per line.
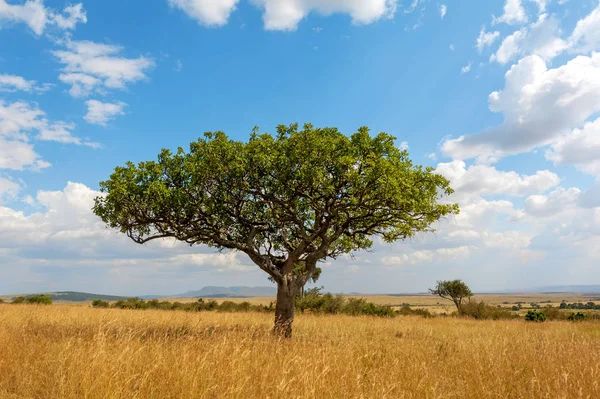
71,351
437,305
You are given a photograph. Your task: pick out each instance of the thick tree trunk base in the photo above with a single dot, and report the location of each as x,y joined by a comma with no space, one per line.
283,328
284,310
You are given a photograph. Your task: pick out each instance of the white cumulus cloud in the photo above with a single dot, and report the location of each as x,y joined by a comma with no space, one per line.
71,16
443,11
486,180
466,68
90,66
513,13
20,122
206,12
100,113
486,39
539,106
13,83
286,14
541,38
586,35
38,17
8,189
581,148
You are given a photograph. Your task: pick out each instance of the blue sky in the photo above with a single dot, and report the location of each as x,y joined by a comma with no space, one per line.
502,97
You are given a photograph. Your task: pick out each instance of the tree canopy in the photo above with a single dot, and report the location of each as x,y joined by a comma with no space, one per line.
454,290
287,200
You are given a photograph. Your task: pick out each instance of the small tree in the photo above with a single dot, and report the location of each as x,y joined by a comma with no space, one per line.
39,299
287,201
535,316
99,303
454,290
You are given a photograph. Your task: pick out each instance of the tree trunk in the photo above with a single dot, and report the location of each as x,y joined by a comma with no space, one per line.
284,309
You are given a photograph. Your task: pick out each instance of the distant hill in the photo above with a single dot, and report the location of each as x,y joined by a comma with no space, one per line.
569,288
206,292
70,296
229,292
73,296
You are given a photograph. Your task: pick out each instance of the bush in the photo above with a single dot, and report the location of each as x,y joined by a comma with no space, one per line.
579,316
131,303
99,303
360,306
535,316
314,301
355,306
1,300
406,310
579,305
202,305
483,311
34,299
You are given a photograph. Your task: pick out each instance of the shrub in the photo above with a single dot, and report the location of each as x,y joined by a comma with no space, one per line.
579,316
579,305
1,300
355,306
34,299
228,306
99,303
131,303
406,310
483,311
515,308
535,316
202,305
360,306
18,300
314,301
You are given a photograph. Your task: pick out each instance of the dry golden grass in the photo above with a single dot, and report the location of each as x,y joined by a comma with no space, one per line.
78,352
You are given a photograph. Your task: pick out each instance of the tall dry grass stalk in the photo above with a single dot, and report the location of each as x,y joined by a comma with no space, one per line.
78,352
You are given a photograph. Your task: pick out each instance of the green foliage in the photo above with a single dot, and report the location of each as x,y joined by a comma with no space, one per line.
483,311
580,306
200,306
131,303
579,316
535,316
454,290
515,308
40,299
99,303
287,200
406,310
320,303
315,302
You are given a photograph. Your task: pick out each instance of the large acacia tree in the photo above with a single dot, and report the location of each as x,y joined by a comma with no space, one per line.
288,201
